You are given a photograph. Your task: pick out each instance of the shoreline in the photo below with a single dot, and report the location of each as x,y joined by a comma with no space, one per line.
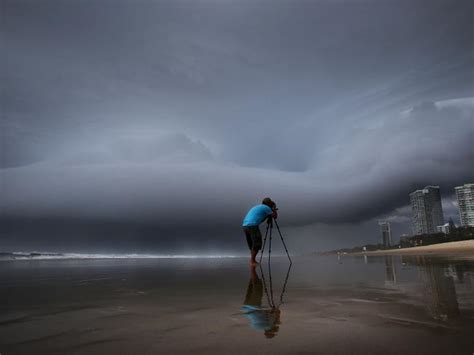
459,247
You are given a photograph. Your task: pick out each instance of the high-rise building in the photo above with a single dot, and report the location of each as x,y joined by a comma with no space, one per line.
386,234
465,197
427,210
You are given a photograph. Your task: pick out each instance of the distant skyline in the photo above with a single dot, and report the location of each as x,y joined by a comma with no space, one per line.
155,125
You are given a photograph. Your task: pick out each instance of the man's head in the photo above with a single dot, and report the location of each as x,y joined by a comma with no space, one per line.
270,333
268,201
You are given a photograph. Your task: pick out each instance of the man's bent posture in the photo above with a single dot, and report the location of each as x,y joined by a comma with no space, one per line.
254,217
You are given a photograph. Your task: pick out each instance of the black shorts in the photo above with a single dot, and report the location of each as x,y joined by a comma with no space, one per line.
254,237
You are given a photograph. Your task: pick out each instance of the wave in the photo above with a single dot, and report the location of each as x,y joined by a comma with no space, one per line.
61,256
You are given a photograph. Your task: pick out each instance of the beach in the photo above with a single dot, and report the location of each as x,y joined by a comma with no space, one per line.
464,247
325,305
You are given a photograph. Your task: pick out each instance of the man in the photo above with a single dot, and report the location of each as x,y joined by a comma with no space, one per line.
254,217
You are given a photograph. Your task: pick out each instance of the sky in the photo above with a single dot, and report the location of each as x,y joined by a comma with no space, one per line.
155,125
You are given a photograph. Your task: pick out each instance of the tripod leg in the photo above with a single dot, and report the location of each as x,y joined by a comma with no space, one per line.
284,285
283,241
264,242
265,285
271,284
270,245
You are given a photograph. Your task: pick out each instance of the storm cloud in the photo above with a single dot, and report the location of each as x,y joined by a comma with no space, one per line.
183,114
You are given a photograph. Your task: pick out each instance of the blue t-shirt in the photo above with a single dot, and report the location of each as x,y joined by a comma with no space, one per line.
256,215
260,319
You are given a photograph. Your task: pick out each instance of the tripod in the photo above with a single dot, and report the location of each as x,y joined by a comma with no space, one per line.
268,232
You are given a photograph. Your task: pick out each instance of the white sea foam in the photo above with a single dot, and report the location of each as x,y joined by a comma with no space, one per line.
59,256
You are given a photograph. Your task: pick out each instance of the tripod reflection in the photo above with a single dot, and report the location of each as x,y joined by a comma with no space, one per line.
262,317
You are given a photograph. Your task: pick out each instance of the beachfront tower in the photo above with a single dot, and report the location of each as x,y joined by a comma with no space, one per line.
427,212
465,197
386,234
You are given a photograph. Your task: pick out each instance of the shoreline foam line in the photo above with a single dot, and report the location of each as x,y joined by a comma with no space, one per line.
83,256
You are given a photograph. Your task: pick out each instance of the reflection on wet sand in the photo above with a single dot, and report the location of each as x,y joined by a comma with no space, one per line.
439,292
149,306
263,318
390,271
438,284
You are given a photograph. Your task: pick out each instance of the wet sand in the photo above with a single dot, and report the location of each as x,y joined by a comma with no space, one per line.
379,305
452,248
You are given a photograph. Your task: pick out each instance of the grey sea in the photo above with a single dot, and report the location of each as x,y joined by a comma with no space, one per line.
321,305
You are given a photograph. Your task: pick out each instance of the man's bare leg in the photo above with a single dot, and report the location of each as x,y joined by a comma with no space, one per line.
253,255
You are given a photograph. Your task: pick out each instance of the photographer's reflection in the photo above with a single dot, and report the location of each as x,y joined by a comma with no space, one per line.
261,317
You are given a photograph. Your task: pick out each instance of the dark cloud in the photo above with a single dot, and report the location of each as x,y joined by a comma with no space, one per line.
368,173
174,114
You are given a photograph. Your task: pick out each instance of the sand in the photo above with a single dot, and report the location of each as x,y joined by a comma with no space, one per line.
331,306
451,248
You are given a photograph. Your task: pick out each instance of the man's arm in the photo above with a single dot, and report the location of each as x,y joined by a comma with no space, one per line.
272,215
